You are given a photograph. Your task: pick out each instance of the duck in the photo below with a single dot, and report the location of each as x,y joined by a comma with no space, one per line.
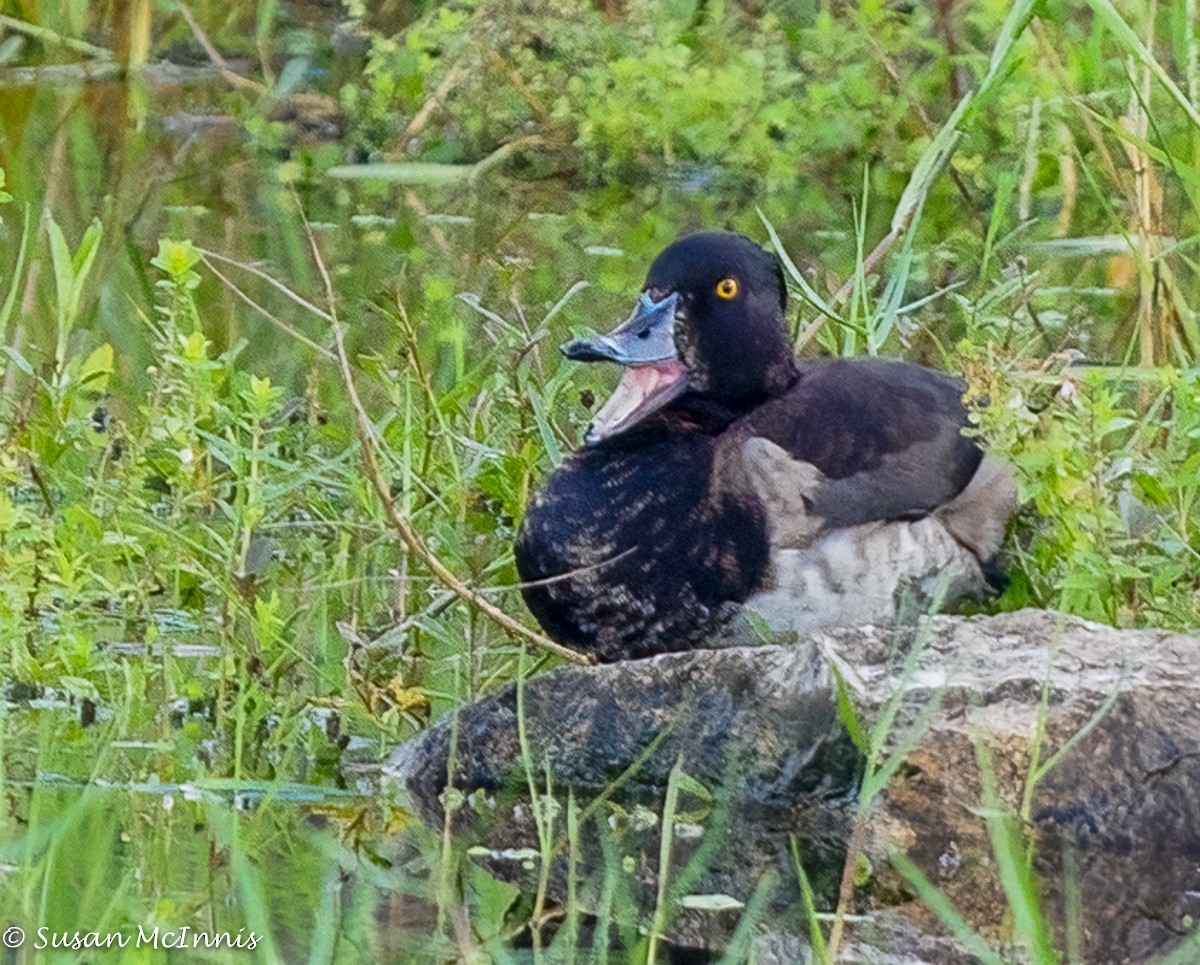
725,477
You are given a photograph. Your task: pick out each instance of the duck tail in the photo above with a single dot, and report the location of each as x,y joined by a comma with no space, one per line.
977,516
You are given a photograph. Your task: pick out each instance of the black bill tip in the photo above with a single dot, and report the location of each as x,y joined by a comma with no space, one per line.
585,350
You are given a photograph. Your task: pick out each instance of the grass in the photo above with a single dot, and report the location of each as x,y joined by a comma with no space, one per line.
257,493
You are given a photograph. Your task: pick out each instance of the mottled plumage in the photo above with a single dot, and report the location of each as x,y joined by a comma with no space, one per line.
723,472
659,555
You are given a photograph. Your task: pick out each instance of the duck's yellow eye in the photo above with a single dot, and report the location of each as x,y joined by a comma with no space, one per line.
727,288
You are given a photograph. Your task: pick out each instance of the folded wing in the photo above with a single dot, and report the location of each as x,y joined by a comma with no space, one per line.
856,442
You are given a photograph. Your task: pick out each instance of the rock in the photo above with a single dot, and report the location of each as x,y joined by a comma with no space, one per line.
1108,720
762,735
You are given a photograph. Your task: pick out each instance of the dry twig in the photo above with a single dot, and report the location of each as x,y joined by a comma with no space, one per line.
215,55
48,36
404,528
421,118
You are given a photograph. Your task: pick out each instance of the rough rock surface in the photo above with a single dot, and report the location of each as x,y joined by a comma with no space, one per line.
1114,823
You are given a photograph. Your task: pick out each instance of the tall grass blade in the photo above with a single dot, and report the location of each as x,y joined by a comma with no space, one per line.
847,713
1004,192
1013,863
1129,40
139,34
807,292
815,937
740,947
1039,769
10,300
246,882
666,840
941,906
943,145
1186,953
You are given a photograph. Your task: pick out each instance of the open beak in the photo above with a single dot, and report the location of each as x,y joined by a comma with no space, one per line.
654,375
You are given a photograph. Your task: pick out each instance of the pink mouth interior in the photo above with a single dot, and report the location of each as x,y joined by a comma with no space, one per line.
642,390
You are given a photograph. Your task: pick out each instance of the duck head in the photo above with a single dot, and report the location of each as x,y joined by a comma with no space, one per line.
709,321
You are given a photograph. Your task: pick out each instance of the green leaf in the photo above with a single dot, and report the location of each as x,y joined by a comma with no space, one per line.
79,687
97,367
691,786
758,626
1151,489
292,76
81,263
18,360
848,715
413,172
175,258
1116,424
60,258
491,899
86,252
710,903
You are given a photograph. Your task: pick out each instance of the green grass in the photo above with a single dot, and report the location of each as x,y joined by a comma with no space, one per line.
206,599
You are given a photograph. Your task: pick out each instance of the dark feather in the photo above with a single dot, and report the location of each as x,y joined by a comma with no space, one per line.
886,436
632,550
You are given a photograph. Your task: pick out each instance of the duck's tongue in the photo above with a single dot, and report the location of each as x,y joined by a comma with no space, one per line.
643,389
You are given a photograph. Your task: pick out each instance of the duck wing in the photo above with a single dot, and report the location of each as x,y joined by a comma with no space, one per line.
854,441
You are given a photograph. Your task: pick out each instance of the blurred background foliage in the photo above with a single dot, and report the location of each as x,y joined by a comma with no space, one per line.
203,609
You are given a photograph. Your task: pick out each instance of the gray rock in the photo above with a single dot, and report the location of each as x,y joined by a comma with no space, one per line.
1113,824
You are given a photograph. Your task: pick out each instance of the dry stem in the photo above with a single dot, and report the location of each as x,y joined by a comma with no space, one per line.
404,528
215,55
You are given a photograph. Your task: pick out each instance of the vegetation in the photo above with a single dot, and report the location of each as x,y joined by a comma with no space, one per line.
212,629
